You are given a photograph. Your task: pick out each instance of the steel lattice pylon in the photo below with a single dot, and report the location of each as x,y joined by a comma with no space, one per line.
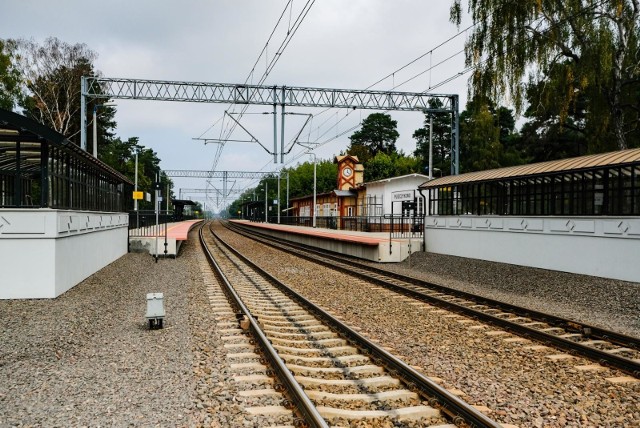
160,90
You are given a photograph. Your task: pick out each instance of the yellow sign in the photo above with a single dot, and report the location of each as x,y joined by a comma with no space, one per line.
138,195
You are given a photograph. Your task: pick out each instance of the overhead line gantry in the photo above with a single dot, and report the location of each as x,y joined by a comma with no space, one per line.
162,90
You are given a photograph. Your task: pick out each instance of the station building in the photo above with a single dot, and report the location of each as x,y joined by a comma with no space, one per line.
377,206
579,215
63,213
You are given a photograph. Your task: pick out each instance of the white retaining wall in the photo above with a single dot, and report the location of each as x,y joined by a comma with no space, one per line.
598,246
45,252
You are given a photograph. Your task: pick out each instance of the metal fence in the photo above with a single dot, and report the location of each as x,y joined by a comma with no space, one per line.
143,223
396,226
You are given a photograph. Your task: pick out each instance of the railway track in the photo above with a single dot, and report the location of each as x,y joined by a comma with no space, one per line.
329,373
608,348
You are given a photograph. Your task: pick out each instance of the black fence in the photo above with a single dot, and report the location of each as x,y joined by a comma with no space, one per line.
39,168
605,190
397,226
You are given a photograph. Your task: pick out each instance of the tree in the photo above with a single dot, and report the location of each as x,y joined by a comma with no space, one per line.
379,167
383,166
378,134
9,76
120,155
441,140
479,140
301,178
52,75
545,138
595,42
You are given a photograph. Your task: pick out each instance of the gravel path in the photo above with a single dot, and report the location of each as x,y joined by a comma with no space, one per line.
87,357
519,385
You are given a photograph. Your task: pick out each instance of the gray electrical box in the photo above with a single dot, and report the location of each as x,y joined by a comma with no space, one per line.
155,309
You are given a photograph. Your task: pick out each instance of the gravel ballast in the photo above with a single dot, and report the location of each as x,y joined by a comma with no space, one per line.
87,358
519,382
603,302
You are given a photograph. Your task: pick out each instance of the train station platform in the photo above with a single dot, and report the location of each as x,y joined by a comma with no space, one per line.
164,237
373,246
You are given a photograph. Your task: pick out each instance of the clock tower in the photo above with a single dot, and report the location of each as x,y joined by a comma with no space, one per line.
350,172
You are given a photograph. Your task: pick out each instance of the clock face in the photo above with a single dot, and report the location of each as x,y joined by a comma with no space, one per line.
347,172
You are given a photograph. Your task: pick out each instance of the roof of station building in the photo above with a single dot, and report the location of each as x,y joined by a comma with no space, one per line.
621,157
400,177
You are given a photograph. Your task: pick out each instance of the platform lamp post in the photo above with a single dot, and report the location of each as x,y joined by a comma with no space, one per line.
430,146
135,187
266,187
310,146
95,126
314,187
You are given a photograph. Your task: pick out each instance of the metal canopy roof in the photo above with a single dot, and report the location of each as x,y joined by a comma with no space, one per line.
557,166
183,202
16,128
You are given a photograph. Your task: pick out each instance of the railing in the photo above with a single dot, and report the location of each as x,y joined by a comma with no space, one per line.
143,223
396,226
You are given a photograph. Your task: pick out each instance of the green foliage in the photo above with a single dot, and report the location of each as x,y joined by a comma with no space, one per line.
52,73
383,166
301,178
488,139
544,137
572,52
378,134
10,77
441,140
480,146
120,155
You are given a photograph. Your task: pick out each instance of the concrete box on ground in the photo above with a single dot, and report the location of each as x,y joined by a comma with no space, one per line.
155,305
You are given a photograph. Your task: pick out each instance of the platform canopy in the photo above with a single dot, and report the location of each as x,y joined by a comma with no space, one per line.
622,157
41,168
600,184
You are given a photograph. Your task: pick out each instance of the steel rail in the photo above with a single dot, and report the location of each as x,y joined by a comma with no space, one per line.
625,364
459,410
301,400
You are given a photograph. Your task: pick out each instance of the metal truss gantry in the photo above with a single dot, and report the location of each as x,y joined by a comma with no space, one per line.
160,90
210,191
224,175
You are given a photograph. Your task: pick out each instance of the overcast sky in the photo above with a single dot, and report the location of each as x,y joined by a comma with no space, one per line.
345,44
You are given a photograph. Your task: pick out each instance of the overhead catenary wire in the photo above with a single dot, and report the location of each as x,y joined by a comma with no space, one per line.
429,52
227,130
413,61
270,66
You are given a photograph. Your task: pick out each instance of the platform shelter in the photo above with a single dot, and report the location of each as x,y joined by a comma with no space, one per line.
579,215
63,213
